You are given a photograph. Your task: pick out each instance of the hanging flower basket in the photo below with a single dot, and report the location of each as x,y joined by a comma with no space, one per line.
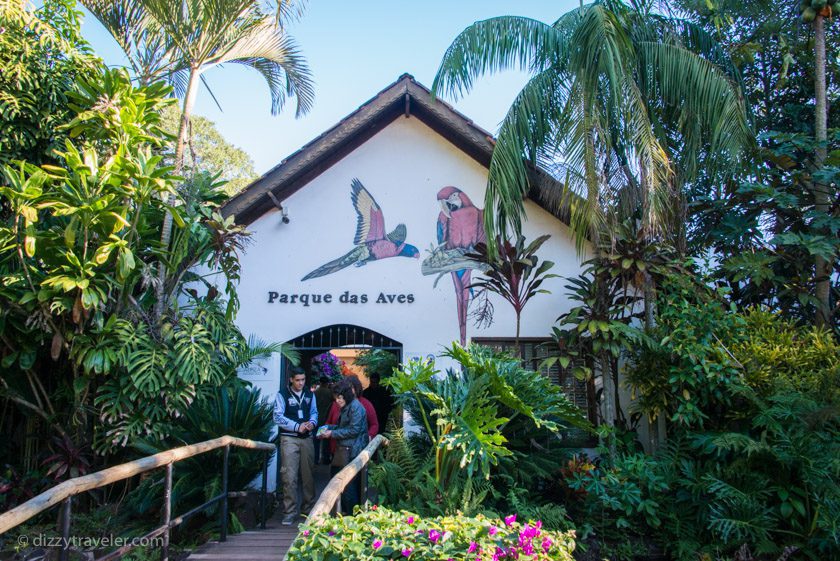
329,365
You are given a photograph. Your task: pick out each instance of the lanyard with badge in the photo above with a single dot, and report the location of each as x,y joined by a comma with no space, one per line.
298,401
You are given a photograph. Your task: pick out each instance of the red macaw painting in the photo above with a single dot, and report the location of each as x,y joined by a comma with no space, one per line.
460,227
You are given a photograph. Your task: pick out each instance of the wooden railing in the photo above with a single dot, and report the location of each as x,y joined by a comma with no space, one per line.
64,492
329,502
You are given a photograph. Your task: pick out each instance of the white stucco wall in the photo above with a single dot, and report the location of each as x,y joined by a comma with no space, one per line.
403,167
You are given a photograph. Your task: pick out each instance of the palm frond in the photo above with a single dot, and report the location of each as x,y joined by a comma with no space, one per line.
703,93
275,55
137,33
527,132
492,45
288,11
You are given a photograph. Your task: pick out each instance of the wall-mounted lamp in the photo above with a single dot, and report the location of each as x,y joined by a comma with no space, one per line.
284,212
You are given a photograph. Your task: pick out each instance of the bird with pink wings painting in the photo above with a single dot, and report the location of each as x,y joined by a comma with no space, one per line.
371,241
460,227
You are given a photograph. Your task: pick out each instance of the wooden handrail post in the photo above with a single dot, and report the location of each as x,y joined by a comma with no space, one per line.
330,499
167,513
66,513
224,509
363,485
264,489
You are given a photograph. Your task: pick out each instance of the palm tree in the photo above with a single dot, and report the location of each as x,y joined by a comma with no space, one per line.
619,105
179,40
622,107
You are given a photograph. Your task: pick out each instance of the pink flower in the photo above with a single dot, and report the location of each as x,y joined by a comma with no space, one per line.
410,520
306,532
546,544
509,520
492,531
434,535
377,544
473,547
407,552
373,507
529,532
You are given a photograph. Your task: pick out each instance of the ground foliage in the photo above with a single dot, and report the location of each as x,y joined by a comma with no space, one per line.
232,409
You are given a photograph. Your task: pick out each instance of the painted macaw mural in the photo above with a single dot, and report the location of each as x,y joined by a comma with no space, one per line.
371,241
460,227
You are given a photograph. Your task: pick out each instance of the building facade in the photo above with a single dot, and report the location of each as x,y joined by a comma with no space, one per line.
358,240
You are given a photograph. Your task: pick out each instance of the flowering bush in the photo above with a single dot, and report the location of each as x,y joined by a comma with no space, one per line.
380,533
329,365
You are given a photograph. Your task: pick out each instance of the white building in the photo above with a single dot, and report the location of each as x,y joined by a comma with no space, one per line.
398,152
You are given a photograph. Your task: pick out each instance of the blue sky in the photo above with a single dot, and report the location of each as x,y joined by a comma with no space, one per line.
354,50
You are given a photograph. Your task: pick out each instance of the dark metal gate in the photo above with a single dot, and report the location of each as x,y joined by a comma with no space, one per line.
345,335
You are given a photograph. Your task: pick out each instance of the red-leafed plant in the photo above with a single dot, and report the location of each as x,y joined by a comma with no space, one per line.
67,459
515,272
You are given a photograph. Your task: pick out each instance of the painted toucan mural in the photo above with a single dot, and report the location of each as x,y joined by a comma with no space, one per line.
460,227
371,242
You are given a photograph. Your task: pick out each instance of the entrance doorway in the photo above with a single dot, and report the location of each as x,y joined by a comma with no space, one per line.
346,340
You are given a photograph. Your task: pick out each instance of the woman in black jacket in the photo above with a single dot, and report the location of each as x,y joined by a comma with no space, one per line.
351,434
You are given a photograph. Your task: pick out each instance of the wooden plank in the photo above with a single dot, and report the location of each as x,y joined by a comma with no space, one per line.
271,538
247,549
236,556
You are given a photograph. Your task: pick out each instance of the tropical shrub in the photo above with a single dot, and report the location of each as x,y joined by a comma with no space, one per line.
469,420
377,361
404,479
42,56
512,271
751,458
771,486
233,409
778,355
380,533
684,368
82,347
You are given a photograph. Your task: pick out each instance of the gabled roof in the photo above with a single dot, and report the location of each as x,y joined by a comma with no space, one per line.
404,98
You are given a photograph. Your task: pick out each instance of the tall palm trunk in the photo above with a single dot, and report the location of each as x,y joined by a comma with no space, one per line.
822,200
166,230
593,189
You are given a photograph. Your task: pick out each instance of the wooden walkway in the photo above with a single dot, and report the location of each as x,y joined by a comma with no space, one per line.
270,544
